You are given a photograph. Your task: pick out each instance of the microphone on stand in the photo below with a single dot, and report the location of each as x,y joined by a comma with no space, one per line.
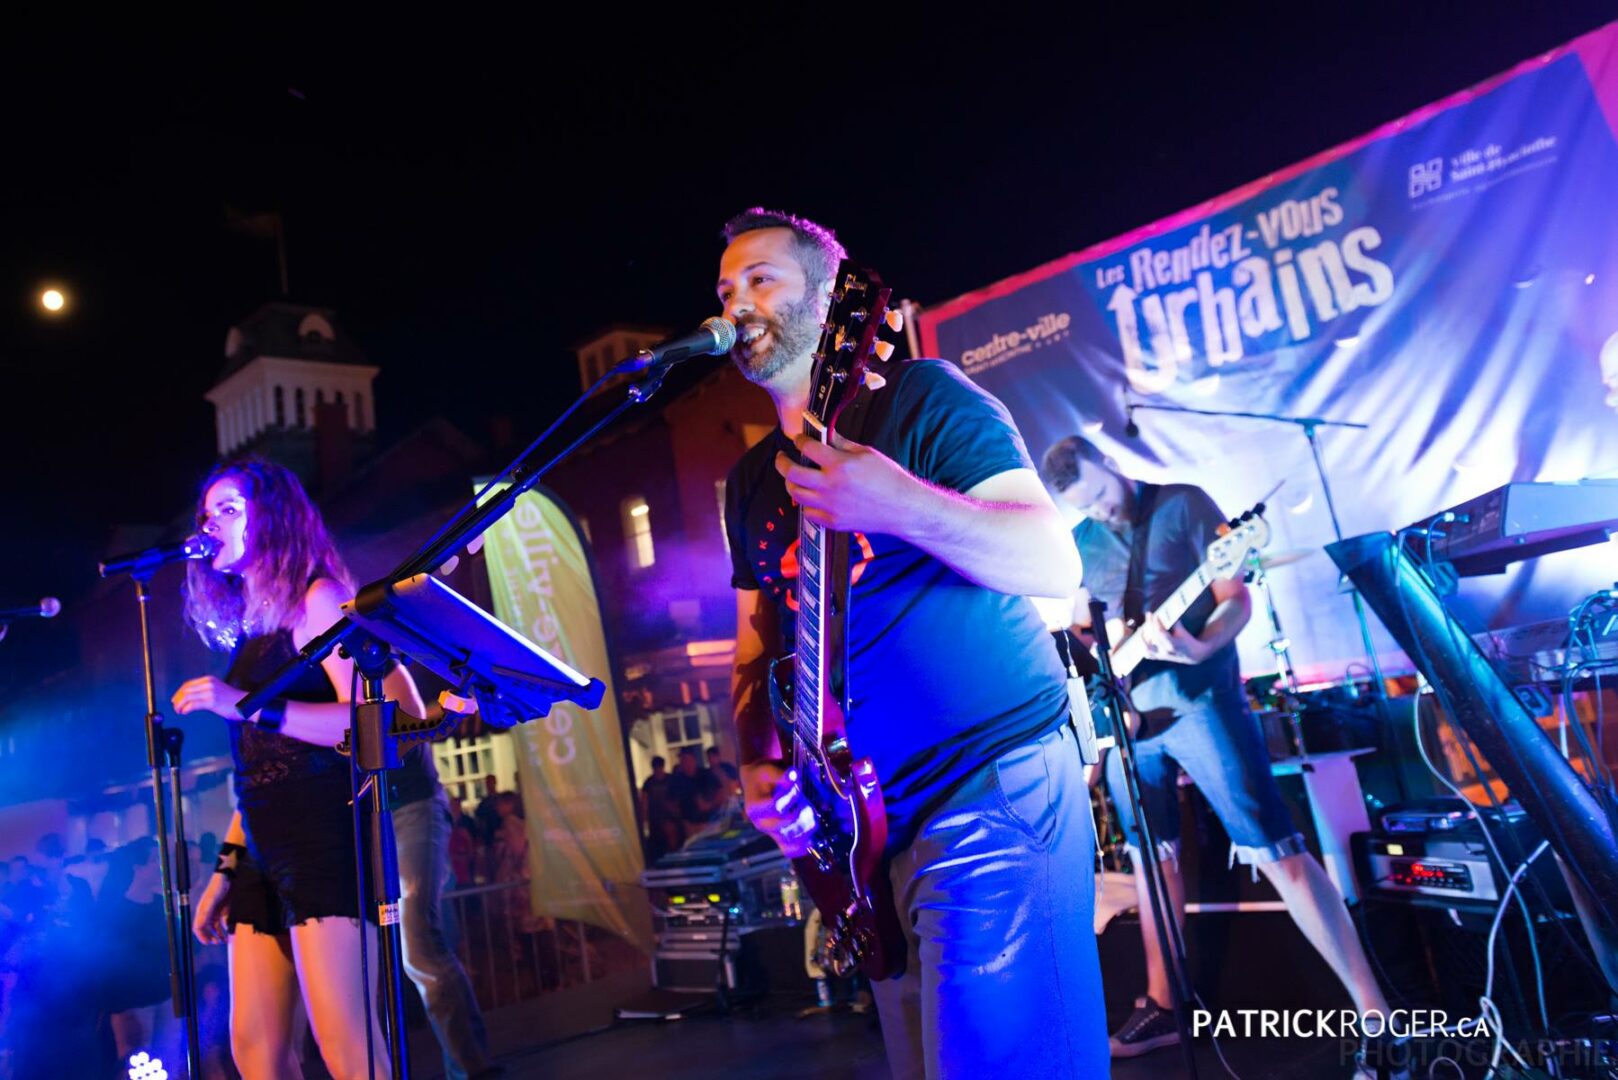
715,336
195,546
45,609
1131,429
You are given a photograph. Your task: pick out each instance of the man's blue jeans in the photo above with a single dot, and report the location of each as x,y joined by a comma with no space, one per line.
997,896
421,830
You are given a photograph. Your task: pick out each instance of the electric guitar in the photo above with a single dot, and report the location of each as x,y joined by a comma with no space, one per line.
1226,558
843,872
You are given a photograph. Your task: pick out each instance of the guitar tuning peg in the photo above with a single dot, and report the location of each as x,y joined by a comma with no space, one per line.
873,381
895,320
883,350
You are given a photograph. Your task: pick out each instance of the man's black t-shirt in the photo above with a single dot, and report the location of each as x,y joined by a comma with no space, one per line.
689,794
944,675
1184,522
657,797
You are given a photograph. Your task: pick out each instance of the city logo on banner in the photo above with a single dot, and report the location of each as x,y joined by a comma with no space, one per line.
1046,330
1276,277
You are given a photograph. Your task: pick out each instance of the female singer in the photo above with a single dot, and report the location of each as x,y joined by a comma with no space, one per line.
283,894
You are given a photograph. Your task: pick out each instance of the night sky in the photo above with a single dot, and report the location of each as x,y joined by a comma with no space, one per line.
474,199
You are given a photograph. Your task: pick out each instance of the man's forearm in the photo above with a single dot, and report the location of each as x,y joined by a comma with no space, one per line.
755,723
1009,547
1226,621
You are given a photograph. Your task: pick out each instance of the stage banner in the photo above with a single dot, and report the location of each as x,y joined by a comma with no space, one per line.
1449,280
584,852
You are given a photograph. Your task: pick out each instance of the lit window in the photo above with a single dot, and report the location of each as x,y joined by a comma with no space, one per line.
638,532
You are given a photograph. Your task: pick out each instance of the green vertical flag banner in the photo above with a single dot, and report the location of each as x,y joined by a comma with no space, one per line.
584,850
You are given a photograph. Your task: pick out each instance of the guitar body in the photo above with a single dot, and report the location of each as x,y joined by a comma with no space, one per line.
844,873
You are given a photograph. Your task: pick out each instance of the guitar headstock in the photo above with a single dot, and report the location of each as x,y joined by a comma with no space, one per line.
1248,533
858,312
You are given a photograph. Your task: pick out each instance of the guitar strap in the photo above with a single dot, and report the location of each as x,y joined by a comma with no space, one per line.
1079,715
851,423
1135,585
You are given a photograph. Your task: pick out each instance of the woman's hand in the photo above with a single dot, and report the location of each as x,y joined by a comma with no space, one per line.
210,924
209,694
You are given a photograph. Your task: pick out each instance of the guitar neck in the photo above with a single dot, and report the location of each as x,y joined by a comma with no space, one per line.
1126,657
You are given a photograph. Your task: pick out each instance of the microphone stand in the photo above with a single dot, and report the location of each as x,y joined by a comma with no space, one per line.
372,733
1169,942
163,742
1310,426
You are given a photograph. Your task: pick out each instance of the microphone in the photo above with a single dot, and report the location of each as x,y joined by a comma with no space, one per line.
714,337
195,546
45,609
1131,428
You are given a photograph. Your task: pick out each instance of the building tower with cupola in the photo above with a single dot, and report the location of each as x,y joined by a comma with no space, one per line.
296,389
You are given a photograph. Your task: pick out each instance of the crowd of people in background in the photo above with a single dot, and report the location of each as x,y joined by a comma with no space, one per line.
83,949
82,938
84,977
489,844
678,806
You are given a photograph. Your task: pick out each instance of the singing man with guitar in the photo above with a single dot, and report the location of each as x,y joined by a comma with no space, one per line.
929,709
1139,543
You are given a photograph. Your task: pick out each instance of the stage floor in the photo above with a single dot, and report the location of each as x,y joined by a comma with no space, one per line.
1261,962
770,1043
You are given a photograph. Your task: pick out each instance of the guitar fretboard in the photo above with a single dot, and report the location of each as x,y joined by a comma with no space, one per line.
807,668
1127,656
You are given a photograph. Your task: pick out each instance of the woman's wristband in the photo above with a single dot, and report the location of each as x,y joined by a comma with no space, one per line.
229,855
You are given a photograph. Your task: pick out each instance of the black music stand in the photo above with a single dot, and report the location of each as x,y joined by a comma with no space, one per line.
1170,943
513,679
502,673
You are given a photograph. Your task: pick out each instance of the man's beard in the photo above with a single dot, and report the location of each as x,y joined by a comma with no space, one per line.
794,334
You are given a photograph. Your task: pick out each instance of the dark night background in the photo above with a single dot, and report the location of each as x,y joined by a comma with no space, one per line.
475,198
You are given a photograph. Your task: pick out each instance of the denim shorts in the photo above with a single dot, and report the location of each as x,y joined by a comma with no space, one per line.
1216,740
300,847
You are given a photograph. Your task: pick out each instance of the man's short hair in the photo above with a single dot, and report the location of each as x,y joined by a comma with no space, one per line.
657,759
1059,468
816,247
684,750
